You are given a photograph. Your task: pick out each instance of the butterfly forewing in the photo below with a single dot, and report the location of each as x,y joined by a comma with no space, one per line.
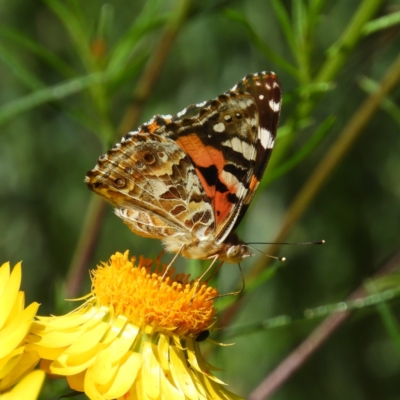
265,89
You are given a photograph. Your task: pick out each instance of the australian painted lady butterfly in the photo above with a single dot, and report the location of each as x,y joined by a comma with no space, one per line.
188,179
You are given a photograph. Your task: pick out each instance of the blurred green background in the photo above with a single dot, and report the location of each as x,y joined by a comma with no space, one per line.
70,70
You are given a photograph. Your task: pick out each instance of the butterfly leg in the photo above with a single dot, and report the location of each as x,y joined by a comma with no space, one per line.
209,269
172,261
236,293
198,280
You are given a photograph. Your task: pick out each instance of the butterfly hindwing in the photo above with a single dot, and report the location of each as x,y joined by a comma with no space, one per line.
153,185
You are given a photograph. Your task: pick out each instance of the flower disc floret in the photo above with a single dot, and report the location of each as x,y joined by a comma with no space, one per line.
146,298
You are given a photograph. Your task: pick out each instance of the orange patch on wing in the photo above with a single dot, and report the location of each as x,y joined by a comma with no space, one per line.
223,206
253,183
206,156
203,156
154,125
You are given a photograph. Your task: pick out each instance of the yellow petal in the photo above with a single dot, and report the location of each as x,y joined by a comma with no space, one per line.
14,333
103,370
117,326
8,362
151,371
88,339
4,275
216,390
47,353
181,374
84,316
193,355
9,290
28,388
90,388
201,388
76,382
17,308
120,346
25,363
56,339
126,375
61,365
169,391
198,363
163,351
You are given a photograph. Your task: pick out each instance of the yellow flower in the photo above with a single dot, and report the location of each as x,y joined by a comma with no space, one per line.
134,337
15,321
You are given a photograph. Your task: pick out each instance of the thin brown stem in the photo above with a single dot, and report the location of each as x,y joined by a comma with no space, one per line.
291,363
85,247
153,69
91,226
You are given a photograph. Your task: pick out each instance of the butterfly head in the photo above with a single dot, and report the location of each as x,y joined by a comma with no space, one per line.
234,250
236,253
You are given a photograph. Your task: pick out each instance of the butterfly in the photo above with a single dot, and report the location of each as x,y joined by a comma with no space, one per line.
188,179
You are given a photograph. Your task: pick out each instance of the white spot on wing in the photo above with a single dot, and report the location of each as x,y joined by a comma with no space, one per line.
274,106
219,127
240,146
267,141
231,180
261,96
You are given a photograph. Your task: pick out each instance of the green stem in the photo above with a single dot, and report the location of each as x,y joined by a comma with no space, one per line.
335,154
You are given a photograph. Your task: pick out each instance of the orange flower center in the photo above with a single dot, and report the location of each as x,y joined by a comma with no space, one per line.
145,298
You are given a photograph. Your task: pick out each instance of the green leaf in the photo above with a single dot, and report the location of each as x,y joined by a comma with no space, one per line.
388,318
18,69
127,46
299,23
259,43
105,21
285,22
390,323
37,49
53,93
302,44
77,29
300,155
337,54
381,23
370,86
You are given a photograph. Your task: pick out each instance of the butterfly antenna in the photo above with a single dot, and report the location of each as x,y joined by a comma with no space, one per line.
282,259
288,243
